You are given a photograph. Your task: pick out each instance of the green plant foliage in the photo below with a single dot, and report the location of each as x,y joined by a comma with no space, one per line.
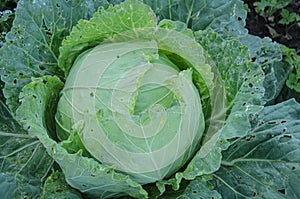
293,81
24,161
267,8
56,187
145,99
6,18
34,41
254,165
289,17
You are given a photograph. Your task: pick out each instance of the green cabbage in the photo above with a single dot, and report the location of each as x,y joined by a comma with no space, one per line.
148,99
134,109
132,98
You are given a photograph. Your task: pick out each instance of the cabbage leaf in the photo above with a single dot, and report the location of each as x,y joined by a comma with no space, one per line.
24,162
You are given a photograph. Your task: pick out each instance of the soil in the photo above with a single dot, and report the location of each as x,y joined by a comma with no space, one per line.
264,27
8,4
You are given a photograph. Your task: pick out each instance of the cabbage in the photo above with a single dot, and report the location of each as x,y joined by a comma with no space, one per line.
139,101
132,98
134,108
152,99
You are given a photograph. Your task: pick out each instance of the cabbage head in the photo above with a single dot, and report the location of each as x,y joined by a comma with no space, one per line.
134,99
134,106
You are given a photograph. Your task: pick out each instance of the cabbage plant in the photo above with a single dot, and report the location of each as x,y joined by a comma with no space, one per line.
144,99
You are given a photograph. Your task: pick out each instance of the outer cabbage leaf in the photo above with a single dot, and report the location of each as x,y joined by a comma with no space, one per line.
198,188
265,163
243,83
31,47
56,187
273,59
202,14
82,173
243,80
23,159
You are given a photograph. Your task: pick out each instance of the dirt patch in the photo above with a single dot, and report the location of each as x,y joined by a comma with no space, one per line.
288,35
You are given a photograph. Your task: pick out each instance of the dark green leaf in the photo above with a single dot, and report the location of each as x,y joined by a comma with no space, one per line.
23,159
269,56
32,46
266,162
57,188
201,14
199,188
